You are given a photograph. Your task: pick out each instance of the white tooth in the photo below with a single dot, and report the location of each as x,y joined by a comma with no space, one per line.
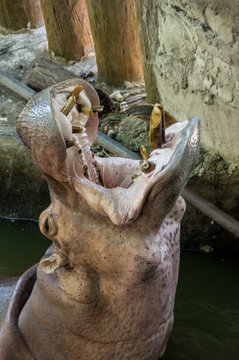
63,125
82,142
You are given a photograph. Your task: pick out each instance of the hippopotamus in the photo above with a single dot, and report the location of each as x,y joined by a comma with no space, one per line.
105,289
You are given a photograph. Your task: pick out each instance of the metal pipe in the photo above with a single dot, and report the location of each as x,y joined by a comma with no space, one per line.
115,148
17,87
212,211
207,208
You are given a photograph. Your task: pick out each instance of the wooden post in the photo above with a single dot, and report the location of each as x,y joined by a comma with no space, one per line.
68,28
18,14
115,33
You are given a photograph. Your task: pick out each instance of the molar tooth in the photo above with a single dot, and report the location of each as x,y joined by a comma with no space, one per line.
83,144
77,129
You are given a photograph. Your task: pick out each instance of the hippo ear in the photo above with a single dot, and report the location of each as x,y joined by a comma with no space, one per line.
171,180
52,263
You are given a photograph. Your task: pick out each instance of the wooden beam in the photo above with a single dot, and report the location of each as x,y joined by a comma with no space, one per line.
18,14
68,29
115,33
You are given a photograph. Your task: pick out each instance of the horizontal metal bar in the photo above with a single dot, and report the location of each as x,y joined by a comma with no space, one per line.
115,148
22,90
212,211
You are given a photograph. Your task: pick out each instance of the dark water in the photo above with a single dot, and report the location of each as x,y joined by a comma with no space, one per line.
21,245
207,302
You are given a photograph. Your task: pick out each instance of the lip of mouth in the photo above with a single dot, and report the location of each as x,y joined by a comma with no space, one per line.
113,187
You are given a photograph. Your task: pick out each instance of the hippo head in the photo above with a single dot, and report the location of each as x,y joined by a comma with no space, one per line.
112,270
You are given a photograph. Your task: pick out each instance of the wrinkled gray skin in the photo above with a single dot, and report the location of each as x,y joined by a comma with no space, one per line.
106,287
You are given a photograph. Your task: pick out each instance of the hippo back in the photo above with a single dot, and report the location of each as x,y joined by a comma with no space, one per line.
7,286
15,294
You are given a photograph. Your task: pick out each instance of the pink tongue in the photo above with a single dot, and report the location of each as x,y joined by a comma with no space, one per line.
93,122
92,128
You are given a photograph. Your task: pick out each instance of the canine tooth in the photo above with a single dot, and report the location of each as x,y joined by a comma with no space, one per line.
157,127
77,90
71,100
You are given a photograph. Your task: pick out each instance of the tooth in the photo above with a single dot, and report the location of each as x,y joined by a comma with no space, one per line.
69,143
157,127
144,152
77,129
77,90
148,167
97,108
87,110
82,143
71,100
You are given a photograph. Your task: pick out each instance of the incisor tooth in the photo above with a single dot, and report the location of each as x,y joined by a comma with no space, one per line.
70,102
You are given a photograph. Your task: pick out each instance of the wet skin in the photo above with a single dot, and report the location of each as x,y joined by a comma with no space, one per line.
106,287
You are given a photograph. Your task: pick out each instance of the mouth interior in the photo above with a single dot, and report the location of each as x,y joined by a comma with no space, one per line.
94,177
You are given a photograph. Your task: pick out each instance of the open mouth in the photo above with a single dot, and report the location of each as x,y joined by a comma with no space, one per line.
60,123
113,187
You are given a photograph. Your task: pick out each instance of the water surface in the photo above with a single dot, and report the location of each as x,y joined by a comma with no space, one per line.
21,245
207,303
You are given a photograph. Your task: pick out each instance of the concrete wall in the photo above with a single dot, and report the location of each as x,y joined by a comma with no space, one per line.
191,57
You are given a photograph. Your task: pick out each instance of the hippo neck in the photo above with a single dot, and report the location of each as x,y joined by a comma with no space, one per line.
98,328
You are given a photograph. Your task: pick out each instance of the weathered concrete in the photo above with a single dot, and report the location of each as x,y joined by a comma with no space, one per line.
191,57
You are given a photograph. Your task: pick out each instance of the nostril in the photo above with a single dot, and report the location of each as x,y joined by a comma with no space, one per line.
47,225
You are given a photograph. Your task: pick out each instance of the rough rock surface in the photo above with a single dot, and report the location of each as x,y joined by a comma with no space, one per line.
191,57
133,132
